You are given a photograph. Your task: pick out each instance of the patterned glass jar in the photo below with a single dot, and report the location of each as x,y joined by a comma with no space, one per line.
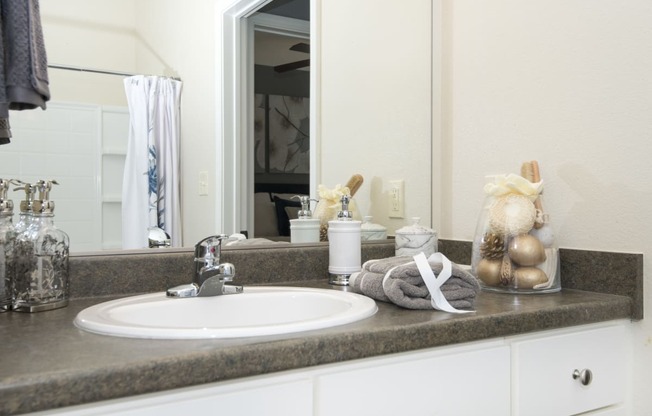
41,274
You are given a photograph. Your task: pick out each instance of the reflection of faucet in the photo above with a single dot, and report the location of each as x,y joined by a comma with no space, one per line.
210,275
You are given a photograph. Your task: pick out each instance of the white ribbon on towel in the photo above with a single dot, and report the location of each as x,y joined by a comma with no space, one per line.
434,283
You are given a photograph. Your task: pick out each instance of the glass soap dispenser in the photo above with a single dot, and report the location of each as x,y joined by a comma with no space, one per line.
41,259
7,240
26,206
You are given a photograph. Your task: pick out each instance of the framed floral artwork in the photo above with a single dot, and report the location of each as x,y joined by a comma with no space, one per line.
281,134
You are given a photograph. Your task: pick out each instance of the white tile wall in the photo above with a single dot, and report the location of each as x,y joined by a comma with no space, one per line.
65,143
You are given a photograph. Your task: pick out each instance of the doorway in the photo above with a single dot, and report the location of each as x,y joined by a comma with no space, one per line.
236,142
280,160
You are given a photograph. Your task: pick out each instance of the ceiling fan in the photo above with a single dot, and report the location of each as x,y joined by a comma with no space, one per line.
290,66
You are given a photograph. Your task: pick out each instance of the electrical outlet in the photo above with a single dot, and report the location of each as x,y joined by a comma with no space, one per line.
396,196
203,183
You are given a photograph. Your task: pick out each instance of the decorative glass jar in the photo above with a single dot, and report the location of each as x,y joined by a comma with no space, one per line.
514,247
7,239
41,279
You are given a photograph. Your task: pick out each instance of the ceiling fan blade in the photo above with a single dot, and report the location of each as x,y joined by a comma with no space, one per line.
292,65
301,47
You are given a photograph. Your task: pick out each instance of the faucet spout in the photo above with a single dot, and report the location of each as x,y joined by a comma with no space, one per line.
214,286
223,271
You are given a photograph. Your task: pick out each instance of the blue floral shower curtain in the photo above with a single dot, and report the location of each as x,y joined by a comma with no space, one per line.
150,189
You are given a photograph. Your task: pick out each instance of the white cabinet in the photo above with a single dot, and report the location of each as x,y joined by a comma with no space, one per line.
522,376
445,382
543,381
272,396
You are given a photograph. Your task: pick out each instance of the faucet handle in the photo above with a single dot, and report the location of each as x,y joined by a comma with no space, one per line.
209,248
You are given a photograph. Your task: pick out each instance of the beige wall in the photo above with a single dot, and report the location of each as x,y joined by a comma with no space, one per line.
97,34
375,101
568,83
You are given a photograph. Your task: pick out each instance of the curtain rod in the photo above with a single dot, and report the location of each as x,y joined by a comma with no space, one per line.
97,71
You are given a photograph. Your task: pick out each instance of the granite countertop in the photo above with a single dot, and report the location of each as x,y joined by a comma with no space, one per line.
47,362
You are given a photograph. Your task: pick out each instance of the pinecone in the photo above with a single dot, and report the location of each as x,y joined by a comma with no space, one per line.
323,232
492,247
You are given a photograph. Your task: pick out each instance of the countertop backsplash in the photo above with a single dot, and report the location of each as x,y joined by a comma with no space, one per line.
119,274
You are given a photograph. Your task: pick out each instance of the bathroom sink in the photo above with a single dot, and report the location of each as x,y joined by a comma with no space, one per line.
257,311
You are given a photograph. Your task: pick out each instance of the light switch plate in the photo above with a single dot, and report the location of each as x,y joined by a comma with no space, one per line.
396,199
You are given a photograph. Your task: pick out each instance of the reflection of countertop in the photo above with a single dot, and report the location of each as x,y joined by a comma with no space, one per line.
47,362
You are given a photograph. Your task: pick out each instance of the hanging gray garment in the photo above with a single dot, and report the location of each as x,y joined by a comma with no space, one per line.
5,129
25,74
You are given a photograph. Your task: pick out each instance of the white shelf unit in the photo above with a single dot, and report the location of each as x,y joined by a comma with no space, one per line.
115,135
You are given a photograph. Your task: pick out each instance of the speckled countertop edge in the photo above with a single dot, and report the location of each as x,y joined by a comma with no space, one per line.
48,363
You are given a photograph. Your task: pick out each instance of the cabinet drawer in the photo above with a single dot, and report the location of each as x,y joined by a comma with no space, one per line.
467,383
543,382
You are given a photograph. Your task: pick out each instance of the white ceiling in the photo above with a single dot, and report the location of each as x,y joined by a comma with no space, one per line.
272,49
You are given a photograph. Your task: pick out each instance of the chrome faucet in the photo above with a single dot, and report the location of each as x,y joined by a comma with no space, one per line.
210,275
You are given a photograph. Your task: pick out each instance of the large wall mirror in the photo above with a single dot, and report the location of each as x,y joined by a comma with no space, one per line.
370,107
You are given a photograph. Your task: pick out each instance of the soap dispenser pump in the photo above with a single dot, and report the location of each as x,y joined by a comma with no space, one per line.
41,257
304,229
344,245
26,206
7,240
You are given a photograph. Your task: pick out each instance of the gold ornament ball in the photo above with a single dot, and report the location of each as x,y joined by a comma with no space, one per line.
528,277
526,250
489,271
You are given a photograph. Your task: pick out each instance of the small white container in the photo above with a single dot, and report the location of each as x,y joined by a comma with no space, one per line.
414,239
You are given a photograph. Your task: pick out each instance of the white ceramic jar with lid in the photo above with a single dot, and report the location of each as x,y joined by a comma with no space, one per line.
371,231
414,239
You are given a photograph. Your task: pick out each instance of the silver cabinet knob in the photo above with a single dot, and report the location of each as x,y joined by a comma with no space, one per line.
585,376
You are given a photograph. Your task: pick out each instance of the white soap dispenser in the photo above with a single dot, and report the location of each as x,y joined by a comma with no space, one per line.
304,229
344,248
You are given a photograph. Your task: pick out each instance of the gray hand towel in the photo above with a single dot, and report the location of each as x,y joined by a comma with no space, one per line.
405,287
23,61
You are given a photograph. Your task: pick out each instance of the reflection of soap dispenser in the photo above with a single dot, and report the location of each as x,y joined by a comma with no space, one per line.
344,248
7,239
41,257
304,229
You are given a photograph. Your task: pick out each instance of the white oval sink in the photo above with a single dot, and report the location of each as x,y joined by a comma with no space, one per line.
257,311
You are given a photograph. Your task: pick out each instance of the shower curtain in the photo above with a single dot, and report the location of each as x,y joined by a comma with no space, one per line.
150,185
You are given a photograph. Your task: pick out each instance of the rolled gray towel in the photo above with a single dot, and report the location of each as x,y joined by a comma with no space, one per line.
405,286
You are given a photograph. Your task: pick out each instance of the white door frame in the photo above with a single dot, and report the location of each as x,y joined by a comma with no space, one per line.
235,99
